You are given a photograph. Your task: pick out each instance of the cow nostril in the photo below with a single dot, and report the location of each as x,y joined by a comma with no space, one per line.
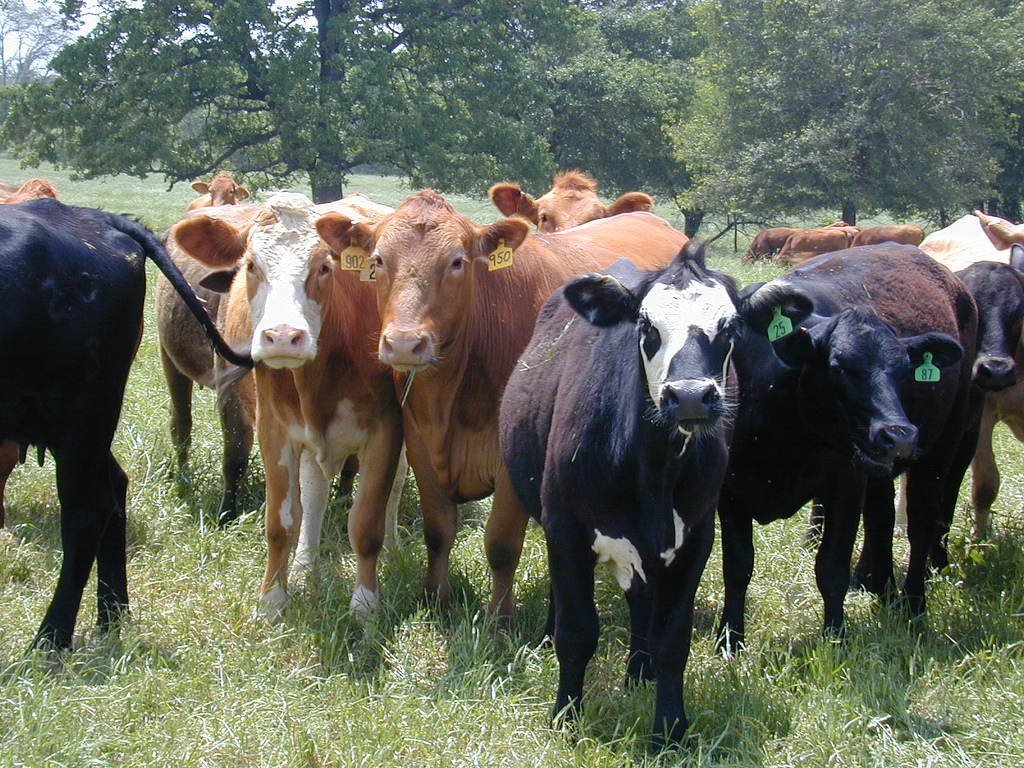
710,395
420,347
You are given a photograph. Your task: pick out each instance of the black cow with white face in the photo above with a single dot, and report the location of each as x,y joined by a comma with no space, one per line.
854,367
614,428
72,287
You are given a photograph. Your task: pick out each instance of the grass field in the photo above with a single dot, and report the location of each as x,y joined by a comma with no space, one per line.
197,680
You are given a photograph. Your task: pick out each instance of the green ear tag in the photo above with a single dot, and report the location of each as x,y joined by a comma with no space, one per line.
926,371
779,326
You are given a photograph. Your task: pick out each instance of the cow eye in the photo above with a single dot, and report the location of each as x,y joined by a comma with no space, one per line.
325,269
650,338
456,264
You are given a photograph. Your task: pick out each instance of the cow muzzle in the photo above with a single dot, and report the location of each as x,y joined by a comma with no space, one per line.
994,373
691,402
406,350
889,443
284,346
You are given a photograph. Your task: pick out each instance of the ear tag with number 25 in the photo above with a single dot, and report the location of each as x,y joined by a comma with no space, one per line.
500,257
927,371
779,326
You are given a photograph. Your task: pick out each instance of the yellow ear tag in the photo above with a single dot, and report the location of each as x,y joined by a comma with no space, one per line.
369,274
500,257
354,258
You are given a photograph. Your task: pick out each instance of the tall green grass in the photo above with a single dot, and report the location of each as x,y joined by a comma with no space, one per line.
197,680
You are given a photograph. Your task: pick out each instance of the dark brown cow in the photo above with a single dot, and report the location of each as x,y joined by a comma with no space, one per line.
807,243
458,304
907,234
571,201
322,395
768,242
220,190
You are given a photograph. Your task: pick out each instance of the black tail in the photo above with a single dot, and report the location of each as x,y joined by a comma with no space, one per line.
155,250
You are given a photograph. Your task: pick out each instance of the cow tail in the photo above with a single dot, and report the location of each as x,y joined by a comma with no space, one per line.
154,250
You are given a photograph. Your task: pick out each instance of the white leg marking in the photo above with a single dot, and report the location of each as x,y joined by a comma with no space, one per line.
621,557
313,493
272,604
670,554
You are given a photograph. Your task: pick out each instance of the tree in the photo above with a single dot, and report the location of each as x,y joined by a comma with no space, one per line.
29,37
856,105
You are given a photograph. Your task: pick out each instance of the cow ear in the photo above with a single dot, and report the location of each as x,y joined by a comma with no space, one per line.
511,200
512,231
241,193
601,299
630,202
210,240
760,308
1017,257
944,349
219,281
201,187
340,232
795,349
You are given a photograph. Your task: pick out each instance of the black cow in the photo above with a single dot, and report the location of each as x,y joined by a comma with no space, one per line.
614,432
72,286
850,368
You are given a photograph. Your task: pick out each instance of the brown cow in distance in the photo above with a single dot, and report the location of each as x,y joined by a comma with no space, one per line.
453,329
768,242
220,190
33,189
807,243
907,234
571,201
7,188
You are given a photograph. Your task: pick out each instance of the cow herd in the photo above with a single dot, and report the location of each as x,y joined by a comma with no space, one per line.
592,374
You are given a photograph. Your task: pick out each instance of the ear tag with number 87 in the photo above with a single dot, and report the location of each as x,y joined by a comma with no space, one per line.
779,326
500,257
926,371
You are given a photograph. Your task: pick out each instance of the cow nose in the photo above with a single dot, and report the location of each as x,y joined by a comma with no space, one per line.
405,349
283,341
690,400
897,440
993,373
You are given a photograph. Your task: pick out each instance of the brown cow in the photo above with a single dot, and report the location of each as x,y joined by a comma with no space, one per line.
768,242
33,189
571,201
458,304
220,190
907,234
6,189
322,395
807,243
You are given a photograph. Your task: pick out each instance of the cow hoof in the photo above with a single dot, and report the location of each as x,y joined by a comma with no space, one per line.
301,566
364,602
272,604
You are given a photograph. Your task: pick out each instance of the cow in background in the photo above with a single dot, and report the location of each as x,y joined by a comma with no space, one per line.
805,244
33,189
614,431
768,242
220,190
76,277
571,201
854,367
458,304
907,234
322,395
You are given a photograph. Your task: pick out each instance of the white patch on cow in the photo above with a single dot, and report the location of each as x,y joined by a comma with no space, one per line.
344,437
674,313
621,557
287,462
281,254
364,601
670,554
272,604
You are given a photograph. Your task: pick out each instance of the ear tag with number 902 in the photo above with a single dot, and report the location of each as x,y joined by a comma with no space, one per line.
926,371
779,326
500,257
354,259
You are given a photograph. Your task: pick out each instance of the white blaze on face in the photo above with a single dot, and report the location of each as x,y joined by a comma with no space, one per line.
675,313
621,557
280,253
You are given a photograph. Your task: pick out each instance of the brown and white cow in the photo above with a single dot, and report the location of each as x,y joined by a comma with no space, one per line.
807,243
458,304
322,395
907,234
220,190
571,201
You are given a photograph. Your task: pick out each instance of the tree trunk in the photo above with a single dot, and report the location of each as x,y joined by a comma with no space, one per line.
693,222
325,179
850,213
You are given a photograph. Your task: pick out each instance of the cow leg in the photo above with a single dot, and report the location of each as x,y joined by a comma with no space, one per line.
571,562
672,628
832,565
924,497
874,571
368,517
236,420
111,557
180,387
395,500
440,516
639,665
984,476
737,569
503,542
9,453
314,490
283,515
87,502
952,477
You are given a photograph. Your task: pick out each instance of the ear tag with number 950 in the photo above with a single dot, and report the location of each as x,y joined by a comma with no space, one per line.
779,326
926,371
500,257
